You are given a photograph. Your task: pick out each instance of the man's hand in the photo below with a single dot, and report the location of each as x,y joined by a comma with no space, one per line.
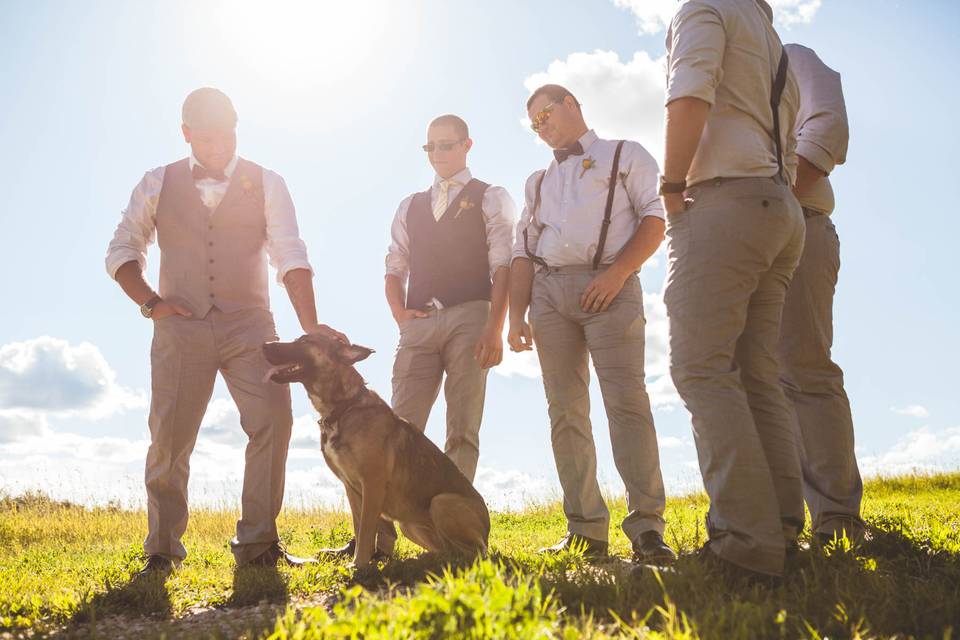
489,349
328,332
601,292
402,315
673,203
164,309
520,336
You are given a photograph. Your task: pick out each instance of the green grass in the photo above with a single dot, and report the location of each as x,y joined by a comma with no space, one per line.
67,570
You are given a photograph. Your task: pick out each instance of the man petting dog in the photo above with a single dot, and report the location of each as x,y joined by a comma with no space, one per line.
446,284
591,220
217,218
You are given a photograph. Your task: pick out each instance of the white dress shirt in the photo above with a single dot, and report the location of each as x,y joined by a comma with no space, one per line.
822,130
726,53
138,225
499,212
565,230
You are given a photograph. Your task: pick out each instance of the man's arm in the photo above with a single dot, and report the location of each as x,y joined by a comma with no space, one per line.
520,336
396,294
130,278
603,290
807,175
489,349
299,285
685,120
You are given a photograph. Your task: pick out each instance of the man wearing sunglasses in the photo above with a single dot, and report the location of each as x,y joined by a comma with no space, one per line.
591,220
446,282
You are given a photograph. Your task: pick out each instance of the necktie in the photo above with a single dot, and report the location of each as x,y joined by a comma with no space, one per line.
576,149
200,172
443,198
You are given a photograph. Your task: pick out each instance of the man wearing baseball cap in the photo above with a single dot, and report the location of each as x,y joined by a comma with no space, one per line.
217,218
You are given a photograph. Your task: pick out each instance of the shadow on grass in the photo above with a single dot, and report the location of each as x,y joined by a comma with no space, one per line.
137,596
253,585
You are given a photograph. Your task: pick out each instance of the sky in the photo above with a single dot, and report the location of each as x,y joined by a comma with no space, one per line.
336,97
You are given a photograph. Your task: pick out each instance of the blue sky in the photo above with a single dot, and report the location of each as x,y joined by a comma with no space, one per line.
336,99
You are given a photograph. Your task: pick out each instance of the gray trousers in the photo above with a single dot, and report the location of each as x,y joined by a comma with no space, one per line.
814,384
441,343
731,256
566,337
185,358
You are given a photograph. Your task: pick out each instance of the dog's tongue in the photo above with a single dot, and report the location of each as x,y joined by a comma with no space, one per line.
274,369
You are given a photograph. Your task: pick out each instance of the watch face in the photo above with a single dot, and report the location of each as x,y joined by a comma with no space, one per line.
146,311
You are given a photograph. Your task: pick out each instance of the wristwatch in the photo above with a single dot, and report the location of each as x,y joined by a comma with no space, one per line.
671,187
146,309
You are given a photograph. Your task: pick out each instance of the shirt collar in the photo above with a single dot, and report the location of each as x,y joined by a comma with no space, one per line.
227,171
588,139
461,178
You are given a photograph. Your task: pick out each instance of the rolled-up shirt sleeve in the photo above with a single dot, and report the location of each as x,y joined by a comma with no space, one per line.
822,131
640,181
285,249
695,42
528,228
398,253
500,214
137,229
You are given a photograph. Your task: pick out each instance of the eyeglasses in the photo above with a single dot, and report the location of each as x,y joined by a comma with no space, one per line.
430,147
542,116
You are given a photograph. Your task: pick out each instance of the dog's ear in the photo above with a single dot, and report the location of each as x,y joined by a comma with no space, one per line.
352,353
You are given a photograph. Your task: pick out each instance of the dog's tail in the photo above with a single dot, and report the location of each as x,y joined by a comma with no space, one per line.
462,525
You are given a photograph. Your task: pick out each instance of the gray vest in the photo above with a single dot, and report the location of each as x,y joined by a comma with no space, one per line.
213,259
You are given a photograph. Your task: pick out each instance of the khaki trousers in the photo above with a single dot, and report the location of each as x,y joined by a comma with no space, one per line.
814,384
731,256
442,343
566,337
185,358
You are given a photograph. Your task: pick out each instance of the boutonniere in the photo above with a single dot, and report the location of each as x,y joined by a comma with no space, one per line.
246,184
463,206
587,164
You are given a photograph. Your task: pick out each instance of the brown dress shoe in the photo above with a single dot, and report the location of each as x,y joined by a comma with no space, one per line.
276,553
650,548
347,551
156,565
592,549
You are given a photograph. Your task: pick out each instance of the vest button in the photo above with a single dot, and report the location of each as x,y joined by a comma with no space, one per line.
211,295
210,244
210,227
211,260
211,278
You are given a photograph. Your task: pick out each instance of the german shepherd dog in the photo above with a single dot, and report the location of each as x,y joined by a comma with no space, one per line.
388,467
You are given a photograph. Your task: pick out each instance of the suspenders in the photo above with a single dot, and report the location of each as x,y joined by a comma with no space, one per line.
598,256
775,93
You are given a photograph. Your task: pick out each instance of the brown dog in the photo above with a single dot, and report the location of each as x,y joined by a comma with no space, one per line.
388,468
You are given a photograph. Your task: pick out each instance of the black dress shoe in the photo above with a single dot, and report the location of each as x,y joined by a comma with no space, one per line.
276,553
592,549
348,550
156,565
650,548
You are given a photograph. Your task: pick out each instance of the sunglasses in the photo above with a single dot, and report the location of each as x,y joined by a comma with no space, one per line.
542,116
430,147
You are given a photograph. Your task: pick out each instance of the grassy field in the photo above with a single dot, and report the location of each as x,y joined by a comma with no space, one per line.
66,571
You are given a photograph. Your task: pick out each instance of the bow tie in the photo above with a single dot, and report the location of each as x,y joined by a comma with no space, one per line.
200,172
576,149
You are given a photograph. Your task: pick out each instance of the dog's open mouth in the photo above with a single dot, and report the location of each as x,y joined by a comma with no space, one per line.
283,373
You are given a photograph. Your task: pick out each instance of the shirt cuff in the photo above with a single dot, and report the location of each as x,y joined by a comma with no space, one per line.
691,83
816,155
399,273
119,258
286,268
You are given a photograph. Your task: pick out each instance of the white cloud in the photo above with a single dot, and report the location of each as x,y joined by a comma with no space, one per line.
221,423
913,410
18,425
512,489
620,99
923,450
51,375
654,16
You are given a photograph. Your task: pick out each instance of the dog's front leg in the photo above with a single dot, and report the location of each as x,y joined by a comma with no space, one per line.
373,492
